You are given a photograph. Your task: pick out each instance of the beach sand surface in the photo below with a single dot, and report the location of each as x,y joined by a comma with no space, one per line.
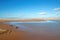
15,34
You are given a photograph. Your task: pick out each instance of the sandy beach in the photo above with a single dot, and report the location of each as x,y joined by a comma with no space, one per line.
14,34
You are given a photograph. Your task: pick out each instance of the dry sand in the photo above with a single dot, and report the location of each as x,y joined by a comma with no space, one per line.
15,34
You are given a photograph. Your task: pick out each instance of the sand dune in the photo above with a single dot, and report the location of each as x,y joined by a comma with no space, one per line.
21,20
27,20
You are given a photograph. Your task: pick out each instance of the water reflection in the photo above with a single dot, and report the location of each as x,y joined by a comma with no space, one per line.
45,26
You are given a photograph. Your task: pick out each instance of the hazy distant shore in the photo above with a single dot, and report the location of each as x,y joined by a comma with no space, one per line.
27,20
20,20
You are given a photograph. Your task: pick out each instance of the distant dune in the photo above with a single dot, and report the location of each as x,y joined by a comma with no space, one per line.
22,20
28,20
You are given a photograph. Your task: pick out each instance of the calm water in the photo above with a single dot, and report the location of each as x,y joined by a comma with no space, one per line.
48,27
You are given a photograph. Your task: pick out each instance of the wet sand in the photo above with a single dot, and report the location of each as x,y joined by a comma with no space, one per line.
15,34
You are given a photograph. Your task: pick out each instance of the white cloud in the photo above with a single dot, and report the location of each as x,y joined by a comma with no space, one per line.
43,13
56,9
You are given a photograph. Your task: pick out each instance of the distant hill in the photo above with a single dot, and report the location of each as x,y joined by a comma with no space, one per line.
28,20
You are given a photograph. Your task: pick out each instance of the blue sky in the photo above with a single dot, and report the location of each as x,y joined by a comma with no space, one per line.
29,8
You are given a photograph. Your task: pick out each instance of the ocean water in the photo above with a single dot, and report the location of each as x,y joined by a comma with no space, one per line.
48,27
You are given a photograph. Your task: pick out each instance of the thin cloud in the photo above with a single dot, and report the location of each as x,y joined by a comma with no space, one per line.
56,9
57,12
43,13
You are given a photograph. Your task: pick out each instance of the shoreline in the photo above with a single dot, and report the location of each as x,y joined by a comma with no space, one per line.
15,34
